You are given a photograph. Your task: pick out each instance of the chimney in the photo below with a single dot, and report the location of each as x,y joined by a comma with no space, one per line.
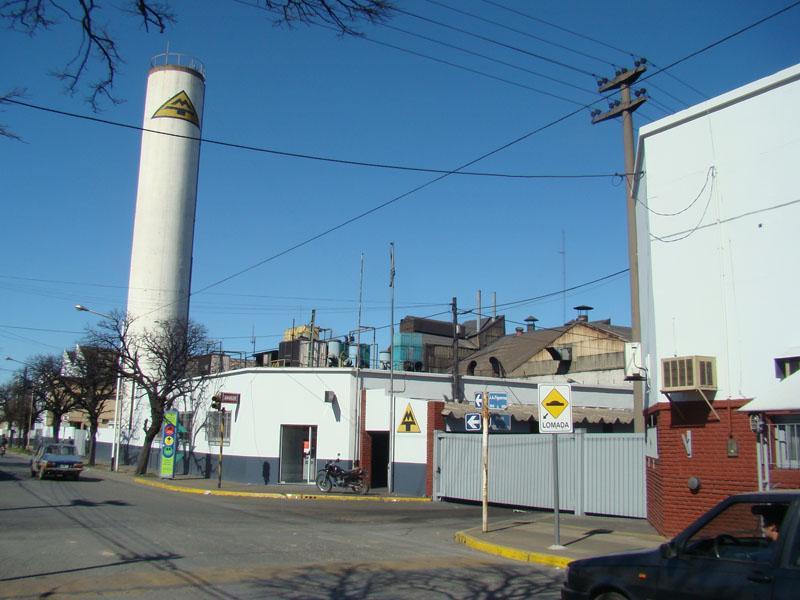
519,331
531,322
583,313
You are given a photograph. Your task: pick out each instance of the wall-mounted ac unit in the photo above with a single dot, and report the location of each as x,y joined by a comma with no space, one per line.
686,373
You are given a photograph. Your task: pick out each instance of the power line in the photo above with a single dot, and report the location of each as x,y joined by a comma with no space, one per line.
560,28
521,32
484,56
722,40
496,42
469,70
311,156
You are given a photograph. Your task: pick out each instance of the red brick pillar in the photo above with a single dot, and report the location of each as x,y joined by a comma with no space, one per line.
364,439
435,423
671,504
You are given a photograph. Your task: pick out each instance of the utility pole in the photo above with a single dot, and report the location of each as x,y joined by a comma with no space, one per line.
625,107
456,395
311,337
390,475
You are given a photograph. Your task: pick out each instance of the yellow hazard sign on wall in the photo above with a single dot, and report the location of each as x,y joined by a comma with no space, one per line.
178,107
408,424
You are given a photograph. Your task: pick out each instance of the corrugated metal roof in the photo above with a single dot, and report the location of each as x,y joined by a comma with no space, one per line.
528,412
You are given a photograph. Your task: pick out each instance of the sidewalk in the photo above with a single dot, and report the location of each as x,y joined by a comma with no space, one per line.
529,538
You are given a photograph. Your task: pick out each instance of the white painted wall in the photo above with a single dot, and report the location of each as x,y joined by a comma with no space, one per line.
274,397
717,263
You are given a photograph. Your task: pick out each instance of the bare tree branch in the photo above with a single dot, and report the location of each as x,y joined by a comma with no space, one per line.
98,44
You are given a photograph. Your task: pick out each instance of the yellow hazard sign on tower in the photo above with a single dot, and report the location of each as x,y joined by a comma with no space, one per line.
178,107
408,424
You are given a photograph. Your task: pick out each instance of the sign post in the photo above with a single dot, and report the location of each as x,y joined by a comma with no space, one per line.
555,416
485,447
168,444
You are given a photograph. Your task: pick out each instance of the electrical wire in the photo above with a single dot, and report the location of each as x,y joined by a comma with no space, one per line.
496,42
485,57
521,32
710,174
313,157
469,70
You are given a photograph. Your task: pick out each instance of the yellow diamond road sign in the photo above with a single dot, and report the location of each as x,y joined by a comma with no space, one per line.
555,408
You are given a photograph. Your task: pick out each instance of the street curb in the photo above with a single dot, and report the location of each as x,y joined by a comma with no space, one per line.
541,558
275,495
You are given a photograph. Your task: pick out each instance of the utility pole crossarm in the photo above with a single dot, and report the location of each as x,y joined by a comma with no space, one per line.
626,77
618,110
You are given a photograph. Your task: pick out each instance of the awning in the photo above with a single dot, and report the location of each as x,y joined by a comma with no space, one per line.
785,395
528,412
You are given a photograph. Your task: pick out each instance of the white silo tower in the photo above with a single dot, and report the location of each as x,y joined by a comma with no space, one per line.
163,230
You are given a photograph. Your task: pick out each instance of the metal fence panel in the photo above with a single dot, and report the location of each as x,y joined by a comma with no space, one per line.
598,473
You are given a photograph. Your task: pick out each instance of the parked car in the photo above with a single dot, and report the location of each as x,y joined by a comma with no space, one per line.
56,459
746,547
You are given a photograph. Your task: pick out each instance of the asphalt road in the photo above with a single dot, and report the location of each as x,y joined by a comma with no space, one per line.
107,537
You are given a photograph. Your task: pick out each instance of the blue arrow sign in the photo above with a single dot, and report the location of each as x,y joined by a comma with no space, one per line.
472,421
497,400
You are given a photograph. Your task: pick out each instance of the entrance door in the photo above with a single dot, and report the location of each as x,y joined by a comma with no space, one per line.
380,458
298,453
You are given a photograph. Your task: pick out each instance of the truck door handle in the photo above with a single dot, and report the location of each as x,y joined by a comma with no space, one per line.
760,578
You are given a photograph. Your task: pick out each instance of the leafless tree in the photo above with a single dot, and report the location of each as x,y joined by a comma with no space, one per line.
98,42
49,390
90,379
160,361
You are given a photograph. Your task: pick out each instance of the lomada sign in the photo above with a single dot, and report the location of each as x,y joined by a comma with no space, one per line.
555,408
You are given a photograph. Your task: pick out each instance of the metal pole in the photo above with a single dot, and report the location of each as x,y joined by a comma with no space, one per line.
556,514
221,414
478,321
485,471
455,391
356,450
390,479
115,442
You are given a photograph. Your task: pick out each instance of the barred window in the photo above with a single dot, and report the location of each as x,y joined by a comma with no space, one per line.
213,419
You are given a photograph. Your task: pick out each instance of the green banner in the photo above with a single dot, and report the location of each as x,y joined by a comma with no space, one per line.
169,444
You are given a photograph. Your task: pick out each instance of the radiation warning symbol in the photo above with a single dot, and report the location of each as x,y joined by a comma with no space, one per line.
408,424
178,107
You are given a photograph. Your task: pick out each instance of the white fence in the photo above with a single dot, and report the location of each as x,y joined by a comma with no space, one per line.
599,473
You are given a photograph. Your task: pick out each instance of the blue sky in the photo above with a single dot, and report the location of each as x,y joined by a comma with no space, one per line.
69,187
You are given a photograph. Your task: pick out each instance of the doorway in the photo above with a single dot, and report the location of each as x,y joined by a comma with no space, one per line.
298,453
380,458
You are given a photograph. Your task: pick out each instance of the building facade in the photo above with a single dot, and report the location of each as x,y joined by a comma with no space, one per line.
717,207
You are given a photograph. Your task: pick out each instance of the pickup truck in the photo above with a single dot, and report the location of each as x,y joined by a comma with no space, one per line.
747,547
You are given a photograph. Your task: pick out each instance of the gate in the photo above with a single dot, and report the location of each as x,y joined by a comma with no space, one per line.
600,473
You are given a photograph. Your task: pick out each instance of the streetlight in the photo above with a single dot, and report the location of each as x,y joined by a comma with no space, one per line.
24,390
115,444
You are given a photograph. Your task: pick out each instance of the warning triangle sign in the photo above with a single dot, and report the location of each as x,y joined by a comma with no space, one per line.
178,107
408,423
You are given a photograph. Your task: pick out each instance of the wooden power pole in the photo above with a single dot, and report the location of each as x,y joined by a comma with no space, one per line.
624,108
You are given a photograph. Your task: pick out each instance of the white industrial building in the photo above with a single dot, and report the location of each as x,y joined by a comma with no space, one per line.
718,206
717,213
289,421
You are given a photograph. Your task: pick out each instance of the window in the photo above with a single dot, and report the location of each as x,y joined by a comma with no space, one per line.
213,419
744,531
185,427
785,439
786,366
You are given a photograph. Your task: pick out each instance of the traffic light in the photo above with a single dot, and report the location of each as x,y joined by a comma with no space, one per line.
216,402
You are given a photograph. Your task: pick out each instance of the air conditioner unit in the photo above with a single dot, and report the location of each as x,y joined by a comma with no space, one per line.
687,373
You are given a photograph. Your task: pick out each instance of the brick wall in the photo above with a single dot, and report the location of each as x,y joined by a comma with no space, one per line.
671,505
435,422
364,439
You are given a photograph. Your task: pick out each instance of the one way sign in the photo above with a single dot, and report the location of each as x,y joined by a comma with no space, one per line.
472,421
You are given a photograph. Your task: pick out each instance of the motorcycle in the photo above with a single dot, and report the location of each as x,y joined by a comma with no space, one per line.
332,475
